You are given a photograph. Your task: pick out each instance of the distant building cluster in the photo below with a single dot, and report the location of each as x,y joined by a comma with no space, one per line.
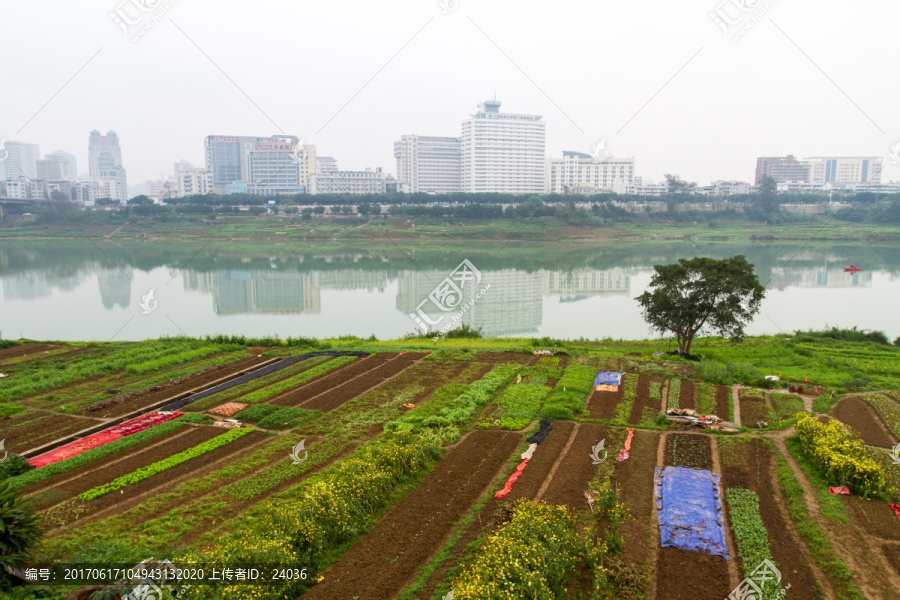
495,152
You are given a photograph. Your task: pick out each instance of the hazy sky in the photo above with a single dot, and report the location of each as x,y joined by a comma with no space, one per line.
659,80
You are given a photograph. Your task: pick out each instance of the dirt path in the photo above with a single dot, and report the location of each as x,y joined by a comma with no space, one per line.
852,545
735,396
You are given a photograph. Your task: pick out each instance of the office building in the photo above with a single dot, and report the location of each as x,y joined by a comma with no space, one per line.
57,166
21,160
326,164
348,182
269,165
840,170
105,165
579,173
429,164
730,188
502,152
782,169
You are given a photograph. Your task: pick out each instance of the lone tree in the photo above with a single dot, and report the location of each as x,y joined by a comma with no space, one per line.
721,295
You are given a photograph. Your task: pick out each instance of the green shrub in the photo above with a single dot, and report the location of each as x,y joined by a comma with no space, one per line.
19,528
556,411
13,466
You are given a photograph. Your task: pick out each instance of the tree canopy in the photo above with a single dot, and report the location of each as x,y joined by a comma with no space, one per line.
702,293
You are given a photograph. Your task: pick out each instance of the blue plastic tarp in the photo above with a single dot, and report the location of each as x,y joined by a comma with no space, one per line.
691,516
608,378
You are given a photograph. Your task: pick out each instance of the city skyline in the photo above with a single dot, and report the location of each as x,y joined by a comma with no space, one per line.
667,109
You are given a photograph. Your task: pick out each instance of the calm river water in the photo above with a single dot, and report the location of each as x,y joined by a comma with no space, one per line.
82,291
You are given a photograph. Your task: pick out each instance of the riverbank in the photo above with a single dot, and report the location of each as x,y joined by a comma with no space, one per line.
390,230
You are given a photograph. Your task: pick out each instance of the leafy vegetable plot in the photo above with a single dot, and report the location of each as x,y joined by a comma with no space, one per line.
749,532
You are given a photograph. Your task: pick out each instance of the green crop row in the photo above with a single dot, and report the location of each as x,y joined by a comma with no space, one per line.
523,401
749,532
163,465
176,359
280,387
674,393
578,379
460,409
655,390
705,399
44,375
623,409
888,410
288,416
32,477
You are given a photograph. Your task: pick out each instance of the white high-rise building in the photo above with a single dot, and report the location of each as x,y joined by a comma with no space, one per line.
580,173
195,181
844,169
502,152
428,164
21,160
105,165
279,166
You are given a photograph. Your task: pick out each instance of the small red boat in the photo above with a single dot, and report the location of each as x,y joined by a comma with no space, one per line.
852,269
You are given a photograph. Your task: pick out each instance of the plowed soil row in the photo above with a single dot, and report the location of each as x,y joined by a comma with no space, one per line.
722,394
643,399
115,407
330,380
684,574
527,486
379,565
859,414
344,393
753,410
24,349
634,479
757,474
686,398
25,432
505,357
689,450
602,405
93,477
132,495
576,469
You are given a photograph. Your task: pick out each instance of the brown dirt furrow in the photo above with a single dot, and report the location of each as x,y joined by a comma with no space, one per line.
686,398
722,394
757,473
95,477
34,433
871,572
380,564
687,575
25,349
874,517
753,410
504,357
641,400
602,405
360,385
133,495
859,415
115,407
330,380
541,464
576,469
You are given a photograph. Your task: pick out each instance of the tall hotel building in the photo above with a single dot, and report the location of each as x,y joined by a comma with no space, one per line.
105,165
429,164
502,153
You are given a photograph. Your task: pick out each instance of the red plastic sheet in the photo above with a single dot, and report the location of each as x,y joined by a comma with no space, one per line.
73,449
512,479
623,455
895,508
143,422
839,490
